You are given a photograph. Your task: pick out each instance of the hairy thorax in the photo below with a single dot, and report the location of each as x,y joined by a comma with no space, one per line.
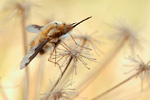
54,31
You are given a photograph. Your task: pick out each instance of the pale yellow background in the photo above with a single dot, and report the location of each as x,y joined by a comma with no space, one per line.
134,12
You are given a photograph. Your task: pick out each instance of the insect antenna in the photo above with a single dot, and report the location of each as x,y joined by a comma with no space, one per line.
81,21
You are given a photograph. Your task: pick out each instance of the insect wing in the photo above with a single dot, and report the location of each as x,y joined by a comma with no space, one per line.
34,28
37,28
31,54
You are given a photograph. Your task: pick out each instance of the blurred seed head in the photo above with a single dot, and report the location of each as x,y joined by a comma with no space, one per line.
91,40
63,92
19,8
125,33
143,69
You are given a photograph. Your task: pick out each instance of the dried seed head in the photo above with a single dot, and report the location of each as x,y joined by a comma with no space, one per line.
77,54
143,69
91,40
61,93
126,34
18,8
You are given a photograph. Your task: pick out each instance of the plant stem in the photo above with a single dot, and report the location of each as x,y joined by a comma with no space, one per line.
4,96
70,70
23,20
38,77
67,66
116,86
59,79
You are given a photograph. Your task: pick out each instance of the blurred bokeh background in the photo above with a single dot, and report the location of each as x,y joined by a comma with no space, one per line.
136,13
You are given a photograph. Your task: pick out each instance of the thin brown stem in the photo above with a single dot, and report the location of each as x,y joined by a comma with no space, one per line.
70,70
84,42
116,86
67,66
23,19
59,79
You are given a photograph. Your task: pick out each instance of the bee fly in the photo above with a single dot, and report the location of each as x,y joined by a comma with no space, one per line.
49,35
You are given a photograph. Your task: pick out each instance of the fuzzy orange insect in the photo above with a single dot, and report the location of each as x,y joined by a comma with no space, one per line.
49,35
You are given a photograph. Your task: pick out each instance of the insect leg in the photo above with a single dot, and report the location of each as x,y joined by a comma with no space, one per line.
54,51
56,63
78,44
51,53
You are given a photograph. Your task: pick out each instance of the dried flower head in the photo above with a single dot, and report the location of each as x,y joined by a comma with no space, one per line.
60,93
143,69
76,54
92,40
126,34
19,8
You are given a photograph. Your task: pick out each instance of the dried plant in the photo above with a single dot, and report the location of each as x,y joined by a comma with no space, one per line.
77,54
142,68
4,95
142,71
91,40
21,9
125,34
3,88
63,92
69,57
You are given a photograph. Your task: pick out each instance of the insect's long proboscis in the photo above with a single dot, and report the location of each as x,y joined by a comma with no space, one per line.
82,21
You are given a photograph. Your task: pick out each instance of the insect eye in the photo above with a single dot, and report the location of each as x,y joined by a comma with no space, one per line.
51,36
